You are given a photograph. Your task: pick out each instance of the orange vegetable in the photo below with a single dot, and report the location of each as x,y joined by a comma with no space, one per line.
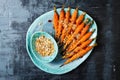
80,18
61,19
65,25
86,28
83,45
55,20
77,30
78,55
78,48
74,15
67,16
70,25
68,55
84,38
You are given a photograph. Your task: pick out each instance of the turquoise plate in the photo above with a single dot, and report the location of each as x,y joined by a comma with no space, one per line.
41,23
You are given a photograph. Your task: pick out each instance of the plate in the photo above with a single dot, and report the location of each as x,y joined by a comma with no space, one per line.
41,23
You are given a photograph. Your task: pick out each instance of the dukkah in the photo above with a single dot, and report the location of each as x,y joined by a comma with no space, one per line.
44,46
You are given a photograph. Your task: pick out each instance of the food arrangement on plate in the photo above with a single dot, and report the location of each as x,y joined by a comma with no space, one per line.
73,33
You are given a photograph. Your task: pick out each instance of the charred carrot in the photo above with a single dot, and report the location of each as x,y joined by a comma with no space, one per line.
86,28
73,19
68,55
67,16
66,21
77,30
61,19
55,20
78,48
83,45
69,31
84,38
78,55
80,18
74,15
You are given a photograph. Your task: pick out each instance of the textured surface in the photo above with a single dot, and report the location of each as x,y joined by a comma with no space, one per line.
16,17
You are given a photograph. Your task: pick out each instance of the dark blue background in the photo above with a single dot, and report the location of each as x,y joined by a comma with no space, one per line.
15,19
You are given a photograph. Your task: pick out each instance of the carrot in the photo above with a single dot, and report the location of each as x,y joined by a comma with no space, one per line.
74,15
68,32
83,45
67,16
65,25
77,30
61,19
84,38
68,55
80,18
55,20
85,29
78,55
73,19
78,48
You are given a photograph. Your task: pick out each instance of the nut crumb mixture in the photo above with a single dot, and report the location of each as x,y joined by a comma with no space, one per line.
44,46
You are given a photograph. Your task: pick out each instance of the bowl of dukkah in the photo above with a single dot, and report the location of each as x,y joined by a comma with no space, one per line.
43,46
73,31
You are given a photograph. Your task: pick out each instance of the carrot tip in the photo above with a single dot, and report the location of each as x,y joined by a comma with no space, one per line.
91,22
69,8
63,6
64,53
63,57
77,8
93,30
54,8
86,20
61,65
95,44
94,38
84,13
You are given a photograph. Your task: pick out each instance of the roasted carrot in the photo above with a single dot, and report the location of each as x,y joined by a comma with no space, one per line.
68,55
67,16
84,38
61,19
69,31
70,25
74,15
83,45
86,28
77,30
65,25
55,20
78,55
78,48
80,18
